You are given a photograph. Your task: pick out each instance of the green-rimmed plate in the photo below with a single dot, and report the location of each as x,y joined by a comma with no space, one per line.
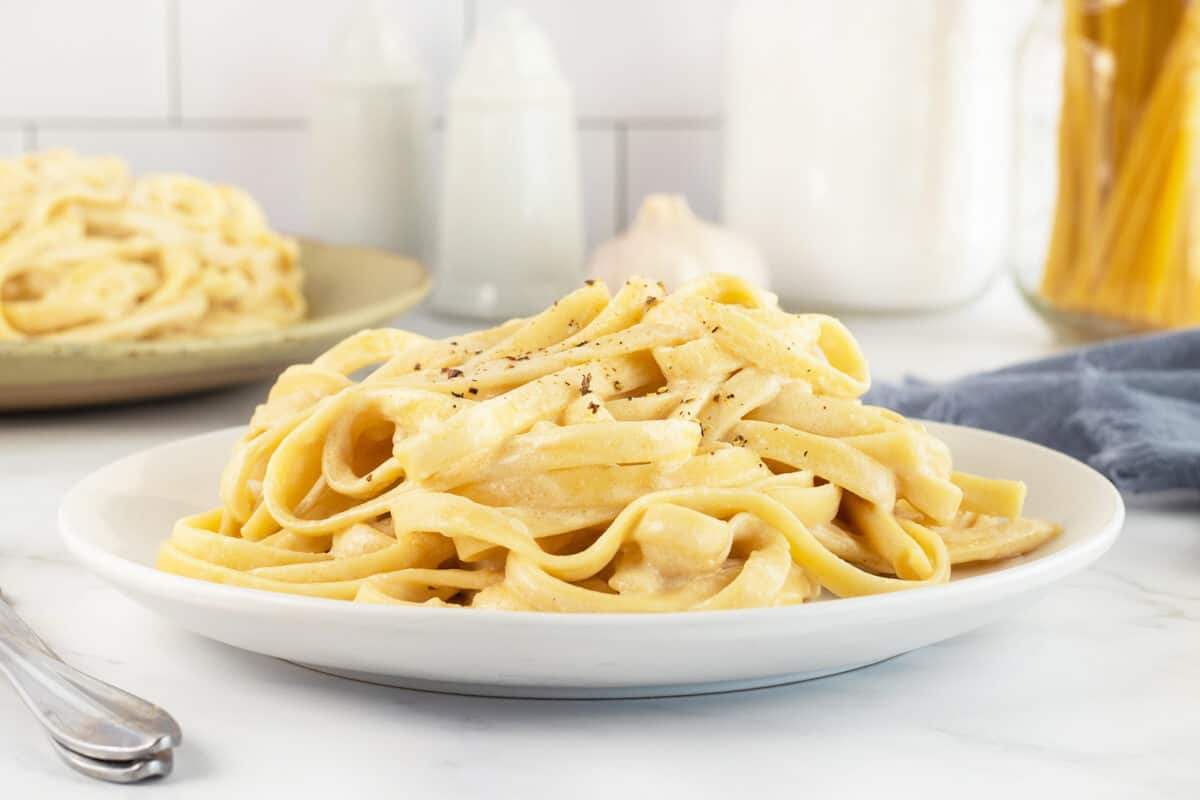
348,289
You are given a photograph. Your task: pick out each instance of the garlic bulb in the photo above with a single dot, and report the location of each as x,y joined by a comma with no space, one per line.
669,243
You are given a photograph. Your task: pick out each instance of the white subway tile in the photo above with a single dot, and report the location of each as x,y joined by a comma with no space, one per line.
267,163
12,142
259,59
640,58
67,58
686,162
598,167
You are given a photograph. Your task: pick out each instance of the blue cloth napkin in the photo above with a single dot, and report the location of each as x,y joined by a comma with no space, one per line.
1130,408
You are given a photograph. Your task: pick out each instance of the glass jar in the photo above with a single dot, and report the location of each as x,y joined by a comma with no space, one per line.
867,147
1106,224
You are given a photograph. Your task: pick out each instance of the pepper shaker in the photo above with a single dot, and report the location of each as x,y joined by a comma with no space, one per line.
510,234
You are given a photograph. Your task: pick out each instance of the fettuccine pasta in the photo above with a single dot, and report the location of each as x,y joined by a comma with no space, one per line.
88,253
635,452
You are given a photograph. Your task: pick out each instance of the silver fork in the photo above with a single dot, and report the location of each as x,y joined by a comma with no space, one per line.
97,729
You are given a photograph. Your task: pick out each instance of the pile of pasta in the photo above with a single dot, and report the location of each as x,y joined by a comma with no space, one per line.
88,253
634,452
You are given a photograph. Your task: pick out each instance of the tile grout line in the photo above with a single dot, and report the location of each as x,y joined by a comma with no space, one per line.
636,124
300,123
621,177
470,20
159,123
174,65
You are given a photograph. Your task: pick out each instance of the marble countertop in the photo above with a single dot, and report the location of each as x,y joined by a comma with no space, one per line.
1092,692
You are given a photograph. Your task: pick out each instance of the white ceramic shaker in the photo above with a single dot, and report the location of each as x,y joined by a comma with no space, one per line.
510,238
368,160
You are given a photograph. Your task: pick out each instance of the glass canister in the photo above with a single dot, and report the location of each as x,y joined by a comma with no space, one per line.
867,147
1106,222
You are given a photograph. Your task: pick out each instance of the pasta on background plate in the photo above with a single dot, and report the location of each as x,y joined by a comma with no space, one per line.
89,253
633,452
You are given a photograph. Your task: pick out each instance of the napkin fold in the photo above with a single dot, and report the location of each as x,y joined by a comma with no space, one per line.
1130,408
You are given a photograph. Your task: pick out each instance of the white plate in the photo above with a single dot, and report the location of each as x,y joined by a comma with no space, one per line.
114,520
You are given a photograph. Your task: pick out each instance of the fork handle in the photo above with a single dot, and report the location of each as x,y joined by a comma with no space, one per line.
82,713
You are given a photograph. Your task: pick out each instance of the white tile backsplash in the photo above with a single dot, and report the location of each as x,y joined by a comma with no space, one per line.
633,58
72,58
264,65
265,162
681,161
220,88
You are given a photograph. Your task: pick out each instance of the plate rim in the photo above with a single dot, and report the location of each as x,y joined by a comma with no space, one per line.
1021,577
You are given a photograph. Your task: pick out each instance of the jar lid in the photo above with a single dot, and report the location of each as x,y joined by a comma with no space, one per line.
369,47
510,61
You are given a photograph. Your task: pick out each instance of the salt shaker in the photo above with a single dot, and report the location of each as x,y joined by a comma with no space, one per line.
510,235
367,170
